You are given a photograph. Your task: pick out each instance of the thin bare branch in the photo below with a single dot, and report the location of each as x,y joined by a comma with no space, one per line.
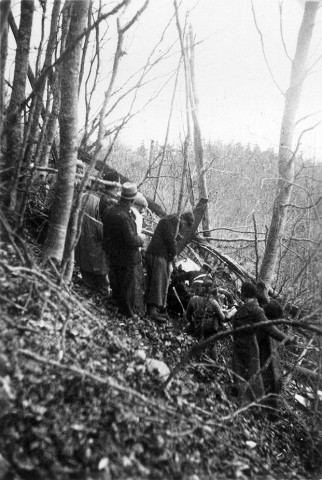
264,51
282,31
214,338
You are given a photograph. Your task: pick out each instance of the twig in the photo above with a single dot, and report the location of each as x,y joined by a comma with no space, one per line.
93,178
256,247
316,405
11,234
246,407
281,31
228,240
23,329
14,304
298,362
64,294
62,350
264,52
184,433
229,229
200,346
178,298
108,381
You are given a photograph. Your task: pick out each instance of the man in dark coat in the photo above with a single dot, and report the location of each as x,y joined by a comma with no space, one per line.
109,193
269,358
159,255
246,353
122,244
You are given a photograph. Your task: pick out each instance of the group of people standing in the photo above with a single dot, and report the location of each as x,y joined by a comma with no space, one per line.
255,358
109,251
256,366
110,257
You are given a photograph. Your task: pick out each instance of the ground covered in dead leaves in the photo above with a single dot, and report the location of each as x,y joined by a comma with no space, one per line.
77,399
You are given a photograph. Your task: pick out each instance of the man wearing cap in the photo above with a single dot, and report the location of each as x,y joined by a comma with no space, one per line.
122,244
204,313
249,381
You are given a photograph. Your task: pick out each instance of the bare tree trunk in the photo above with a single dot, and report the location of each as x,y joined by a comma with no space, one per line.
14,29
85,46
32,137
43,132
286,155
37,101
198,213
59,218
185,156
165,143
76,219
187,141
51,126
13,124
55,86
4,11
202,180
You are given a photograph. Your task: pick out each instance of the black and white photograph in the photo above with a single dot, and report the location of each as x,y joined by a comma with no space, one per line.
161,240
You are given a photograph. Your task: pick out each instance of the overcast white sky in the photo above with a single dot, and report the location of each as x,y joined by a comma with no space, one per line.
237,98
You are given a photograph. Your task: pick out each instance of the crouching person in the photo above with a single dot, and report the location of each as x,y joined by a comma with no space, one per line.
204,313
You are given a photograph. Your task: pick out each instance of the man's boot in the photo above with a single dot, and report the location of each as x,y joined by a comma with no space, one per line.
163,312
153,313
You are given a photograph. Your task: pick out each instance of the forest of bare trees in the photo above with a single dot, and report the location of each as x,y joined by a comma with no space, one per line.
37,131
64,103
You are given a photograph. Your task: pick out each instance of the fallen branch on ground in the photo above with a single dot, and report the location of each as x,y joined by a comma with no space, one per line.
211,340
108,381
81,175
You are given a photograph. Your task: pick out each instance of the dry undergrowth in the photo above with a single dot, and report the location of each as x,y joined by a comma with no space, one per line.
77,397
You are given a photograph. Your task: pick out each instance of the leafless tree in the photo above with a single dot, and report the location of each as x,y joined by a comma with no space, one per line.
13,126
55,241
198,148
4,12
287,155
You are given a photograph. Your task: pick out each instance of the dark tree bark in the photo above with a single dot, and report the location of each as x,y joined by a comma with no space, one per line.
13,124
15,30
4,11
37,101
